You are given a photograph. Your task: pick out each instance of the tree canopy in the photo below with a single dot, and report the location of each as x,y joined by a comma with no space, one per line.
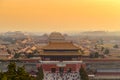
83,74
40,74
15,73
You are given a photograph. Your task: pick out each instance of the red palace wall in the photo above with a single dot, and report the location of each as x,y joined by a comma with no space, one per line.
74,67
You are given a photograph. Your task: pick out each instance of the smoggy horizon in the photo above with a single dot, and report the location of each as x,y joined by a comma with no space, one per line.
60,16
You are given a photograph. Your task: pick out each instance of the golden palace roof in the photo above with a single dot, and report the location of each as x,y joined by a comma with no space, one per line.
60,53
61,46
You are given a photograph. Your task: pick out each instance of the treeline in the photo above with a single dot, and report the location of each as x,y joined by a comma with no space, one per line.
19,73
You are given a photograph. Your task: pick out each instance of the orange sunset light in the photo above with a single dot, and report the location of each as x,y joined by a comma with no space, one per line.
59,15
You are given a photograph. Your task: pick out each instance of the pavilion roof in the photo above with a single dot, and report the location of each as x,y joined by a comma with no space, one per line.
60,54
61,46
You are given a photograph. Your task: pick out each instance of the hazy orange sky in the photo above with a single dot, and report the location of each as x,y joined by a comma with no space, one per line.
59,15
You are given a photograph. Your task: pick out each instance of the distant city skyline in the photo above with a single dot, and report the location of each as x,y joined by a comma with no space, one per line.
59,15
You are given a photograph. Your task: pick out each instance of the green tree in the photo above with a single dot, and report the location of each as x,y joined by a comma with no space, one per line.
4,77
17,55
11,73
40,74
23,75
83,74
106,51
116,46
96,54
21,70
14,73
1,75
30,55
11,68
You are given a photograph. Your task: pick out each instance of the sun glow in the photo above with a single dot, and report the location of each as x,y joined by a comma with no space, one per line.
59,15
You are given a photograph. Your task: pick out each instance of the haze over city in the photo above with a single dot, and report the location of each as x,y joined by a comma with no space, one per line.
59,15
59,39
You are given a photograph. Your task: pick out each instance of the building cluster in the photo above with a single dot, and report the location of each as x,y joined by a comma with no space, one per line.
58,53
